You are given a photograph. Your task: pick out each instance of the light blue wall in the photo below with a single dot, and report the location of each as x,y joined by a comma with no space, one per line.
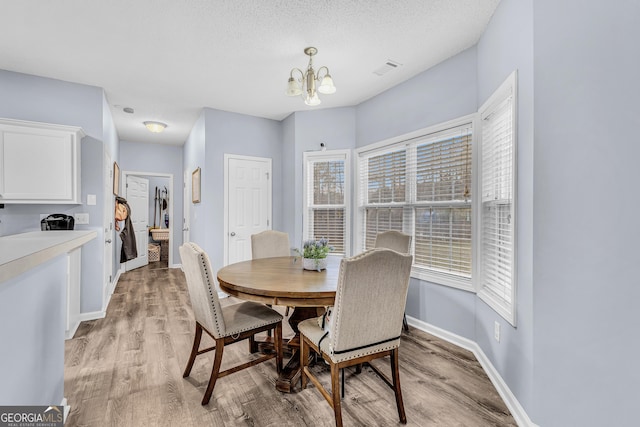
289,218
27,97
444,92
232,133
505,46
32,315
154,207
111,146
194,155
334,127
586,287
158,158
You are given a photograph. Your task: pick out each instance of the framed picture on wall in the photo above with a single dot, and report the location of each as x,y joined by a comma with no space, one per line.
116,179
195,186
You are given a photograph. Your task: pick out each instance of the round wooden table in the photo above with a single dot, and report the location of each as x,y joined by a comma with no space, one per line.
283,281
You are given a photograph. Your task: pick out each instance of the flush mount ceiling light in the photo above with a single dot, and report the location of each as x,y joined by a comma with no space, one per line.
305,84
155,127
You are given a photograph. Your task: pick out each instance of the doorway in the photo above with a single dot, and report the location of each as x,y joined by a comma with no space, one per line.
160,214
247,200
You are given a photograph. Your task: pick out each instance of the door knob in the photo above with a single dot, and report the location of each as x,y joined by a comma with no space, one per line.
185,229
108,241
233,233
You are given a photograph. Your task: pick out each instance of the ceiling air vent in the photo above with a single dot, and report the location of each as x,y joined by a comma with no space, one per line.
388,66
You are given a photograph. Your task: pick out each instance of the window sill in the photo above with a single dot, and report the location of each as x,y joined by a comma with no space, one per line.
507,311
444,279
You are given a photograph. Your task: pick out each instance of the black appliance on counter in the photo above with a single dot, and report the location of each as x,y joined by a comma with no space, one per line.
57,222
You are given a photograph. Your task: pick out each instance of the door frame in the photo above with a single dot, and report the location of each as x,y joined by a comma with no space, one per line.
109,233
142,259
125,174
186,207
228,157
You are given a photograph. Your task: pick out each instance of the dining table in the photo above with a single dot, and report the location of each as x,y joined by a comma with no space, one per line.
282,281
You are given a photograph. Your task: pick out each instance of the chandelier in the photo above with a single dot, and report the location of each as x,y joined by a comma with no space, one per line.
305,84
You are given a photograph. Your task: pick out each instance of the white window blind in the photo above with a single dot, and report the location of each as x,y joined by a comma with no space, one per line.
422,186
325,198
497,281
443,214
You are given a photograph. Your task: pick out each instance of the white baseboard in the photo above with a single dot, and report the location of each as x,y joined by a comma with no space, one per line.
67,409
112,288
92,315
72,331
516,409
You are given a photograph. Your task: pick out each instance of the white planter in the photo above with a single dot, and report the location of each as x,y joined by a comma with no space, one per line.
314,264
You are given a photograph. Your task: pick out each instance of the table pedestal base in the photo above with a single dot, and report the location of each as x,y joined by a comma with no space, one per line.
290,374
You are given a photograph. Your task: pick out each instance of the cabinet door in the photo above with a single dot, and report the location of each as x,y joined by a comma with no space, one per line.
37,165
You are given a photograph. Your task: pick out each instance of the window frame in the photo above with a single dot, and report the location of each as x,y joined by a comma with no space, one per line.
310,157
508,311
404,141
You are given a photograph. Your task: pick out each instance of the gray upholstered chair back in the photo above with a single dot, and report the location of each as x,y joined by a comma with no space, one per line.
394,240
202,289
269,244
370,299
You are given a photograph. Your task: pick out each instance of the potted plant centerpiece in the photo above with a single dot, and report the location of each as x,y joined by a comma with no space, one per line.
314,254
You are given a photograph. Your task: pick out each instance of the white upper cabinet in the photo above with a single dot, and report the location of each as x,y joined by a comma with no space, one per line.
39,162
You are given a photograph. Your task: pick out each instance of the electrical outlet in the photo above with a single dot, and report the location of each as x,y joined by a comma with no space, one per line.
496,331
82,218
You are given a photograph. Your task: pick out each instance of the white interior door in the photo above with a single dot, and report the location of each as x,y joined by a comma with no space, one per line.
248,189
186,200
138,199
107,225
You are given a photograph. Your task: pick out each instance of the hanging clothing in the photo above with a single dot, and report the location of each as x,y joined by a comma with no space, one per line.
129,249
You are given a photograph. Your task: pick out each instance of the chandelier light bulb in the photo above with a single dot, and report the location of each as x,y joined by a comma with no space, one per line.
327,87
312,100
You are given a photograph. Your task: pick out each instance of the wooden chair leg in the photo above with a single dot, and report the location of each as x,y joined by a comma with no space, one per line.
217,361
194,350
396,385
304,362
335,394
253,345
405,325
278,344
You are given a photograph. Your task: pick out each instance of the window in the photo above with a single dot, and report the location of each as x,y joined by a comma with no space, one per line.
326,198
423,186
497,184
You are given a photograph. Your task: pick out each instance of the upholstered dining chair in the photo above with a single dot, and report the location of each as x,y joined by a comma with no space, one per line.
398,242
226,325
269,244
365,323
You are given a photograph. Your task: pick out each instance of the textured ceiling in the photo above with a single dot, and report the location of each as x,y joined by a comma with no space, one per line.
168,59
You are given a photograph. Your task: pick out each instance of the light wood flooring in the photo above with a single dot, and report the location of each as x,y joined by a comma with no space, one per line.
126,370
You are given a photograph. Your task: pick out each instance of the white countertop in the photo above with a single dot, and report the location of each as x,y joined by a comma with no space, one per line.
22,252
